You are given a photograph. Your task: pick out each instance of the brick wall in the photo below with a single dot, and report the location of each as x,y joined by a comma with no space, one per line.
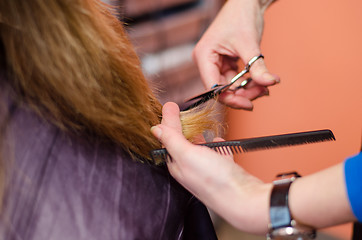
164,33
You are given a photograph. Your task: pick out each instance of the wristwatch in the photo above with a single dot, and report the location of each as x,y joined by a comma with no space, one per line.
282,225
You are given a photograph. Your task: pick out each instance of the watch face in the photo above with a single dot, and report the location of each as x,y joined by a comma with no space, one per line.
291,233
291,238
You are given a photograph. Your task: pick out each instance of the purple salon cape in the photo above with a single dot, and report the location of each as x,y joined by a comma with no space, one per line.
67,187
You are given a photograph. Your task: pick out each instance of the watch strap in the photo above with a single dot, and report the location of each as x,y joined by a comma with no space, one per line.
282,224
279,209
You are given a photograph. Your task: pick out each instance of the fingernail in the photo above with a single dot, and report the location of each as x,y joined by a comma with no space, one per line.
270,78
265,92
156,131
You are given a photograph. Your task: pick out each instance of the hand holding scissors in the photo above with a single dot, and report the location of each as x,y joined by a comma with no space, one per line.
217,89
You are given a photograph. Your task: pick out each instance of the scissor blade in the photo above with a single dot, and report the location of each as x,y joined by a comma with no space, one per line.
194,103
202,95
202,98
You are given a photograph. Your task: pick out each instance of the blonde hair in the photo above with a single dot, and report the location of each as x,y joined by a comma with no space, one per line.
72,62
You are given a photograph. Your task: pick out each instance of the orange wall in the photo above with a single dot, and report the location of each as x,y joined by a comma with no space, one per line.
316,48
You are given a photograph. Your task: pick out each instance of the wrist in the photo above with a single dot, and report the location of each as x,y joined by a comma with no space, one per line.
251,204
282,224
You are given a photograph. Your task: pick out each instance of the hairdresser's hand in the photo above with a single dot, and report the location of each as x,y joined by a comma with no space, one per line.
214,178
193,166
235,34
242,199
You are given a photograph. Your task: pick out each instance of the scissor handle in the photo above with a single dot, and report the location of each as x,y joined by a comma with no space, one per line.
253,60
246,69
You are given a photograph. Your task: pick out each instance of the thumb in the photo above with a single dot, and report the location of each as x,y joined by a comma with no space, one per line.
173,140
261,75
169,132
171,116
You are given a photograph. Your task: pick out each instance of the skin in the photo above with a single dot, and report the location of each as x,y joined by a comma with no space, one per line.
234,36
318,200
243,199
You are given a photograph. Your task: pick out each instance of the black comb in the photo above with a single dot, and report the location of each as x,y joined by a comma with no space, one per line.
259,143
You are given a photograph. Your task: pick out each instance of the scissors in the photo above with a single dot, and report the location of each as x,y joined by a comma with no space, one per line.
217,88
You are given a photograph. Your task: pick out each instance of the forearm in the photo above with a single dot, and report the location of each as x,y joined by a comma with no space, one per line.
252,205
320,200
240,198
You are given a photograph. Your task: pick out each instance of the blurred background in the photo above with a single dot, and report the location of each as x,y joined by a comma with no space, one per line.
315,47
164,33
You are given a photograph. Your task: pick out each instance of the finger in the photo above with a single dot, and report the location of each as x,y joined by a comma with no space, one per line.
218,139
235,101
258,71
230,74
171,116
260,74
229,64
241,98
199,139
208,65
252,93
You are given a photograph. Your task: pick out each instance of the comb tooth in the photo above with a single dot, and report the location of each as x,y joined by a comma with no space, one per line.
226,150
217,149
219,145
223,150
236,149
232,149
240,150
229,150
